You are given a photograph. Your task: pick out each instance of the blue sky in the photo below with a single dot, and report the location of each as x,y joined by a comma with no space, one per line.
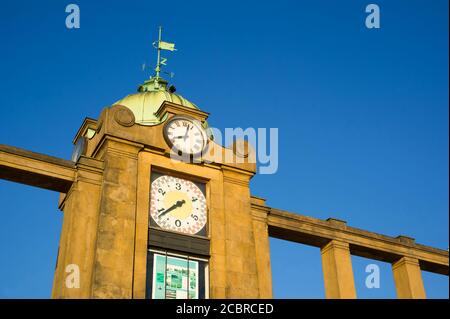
362,114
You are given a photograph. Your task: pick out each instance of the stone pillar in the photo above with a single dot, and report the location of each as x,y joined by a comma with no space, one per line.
240,259
217,263
408,279
79,232
114,255
262,247
337,270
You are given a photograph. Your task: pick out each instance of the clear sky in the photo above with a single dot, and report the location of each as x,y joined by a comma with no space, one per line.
362,114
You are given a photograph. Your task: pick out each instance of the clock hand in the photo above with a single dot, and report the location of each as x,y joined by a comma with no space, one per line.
186,134
171,208
168,210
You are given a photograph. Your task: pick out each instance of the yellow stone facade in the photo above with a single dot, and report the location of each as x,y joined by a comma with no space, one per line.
106,214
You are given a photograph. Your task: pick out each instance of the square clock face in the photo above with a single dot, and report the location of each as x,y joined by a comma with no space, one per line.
178,204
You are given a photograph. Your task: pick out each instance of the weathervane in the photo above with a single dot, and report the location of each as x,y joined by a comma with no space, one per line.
161,45
156,82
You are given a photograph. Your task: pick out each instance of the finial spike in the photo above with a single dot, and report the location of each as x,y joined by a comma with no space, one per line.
158,61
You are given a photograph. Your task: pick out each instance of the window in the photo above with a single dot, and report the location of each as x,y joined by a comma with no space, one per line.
176,276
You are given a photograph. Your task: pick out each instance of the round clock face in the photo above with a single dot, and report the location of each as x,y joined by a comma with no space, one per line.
177,204
185,135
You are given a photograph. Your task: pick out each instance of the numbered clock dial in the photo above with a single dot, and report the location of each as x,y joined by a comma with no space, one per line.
185,135
177,204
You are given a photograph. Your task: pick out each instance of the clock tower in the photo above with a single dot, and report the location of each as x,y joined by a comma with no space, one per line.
158,209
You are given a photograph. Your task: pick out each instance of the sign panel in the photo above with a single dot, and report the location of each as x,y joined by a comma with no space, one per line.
174,278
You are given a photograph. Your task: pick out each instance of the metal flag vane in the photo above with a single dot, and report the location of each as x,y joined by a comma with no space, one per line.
162,45
156,82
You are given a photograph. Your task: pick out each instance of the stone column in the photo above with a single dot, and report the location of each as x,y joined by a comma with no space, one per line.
337,271
240,259
79,232
408,279
114,255
262,247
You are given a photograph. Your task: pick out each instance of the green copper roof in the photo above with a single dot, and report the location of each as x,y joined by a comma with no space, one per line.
147,101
